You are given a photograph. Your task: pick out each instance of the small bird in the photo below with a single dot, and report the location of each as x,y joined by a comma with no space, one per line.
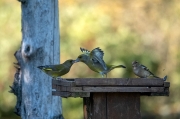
96,55
96,65
142,71
57,70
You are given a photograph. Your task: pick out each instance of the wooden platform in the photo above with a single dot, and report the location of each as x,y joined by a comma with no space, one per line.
110,98
82,87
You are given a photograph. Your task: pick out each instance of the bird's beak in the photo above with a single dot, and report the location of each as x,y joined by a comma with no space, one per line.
77,60
40,67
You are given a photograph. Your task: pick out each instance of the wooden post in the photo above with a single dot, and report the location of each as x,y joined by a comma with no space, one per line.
111,98
40,46
112,106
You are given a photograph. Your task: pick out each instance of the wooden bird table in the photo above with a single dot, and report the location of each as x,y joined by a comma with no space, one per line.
111,98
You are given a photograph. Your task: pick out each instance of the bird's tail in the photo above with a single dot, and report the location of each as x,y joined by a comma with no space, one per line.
118,66
165,78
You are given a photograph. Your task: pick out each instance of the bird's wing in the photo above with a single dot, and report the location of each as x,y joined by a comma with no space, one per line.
97,56
85,51
145,68
97,52
54,68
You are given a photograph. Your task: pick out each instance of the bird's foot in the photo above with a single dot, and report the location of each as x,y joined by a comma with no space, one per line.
53,78
59,78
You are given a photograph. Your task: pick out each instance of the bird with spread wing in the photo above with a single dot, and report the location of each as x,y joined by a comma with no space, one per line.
94,60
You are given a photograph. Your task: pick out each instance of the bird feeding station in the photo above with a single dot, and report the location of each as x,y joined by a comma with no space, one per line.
110,98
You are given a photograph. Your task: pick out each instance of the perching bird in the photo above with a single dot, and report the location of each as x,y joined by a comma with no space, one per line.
96,65
142,71
96,55
57,70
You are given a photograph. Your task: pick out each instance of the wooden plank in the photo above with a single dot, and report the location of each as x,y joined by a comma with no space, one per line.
119,82
154,94
165,93
54,86
69,89
123,106
122,89
98,106
70,94
63,82
166,84
62,94
63,88
110,89
113,106
85,102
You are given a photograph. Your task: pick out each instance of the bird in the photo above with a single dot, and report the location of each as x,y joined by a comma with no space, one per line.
57,70
96,55
96,66
142,71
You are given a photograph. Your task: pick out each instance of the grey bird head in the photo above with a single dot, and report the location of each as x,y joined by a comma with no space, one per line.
135,63
82,58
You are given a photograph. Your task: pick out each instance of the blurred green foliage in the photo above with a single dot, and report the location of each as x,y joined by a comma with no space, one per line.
143,30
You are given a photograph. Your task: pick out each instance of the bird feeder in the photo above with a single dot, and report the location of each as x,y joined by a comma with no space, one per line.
110,98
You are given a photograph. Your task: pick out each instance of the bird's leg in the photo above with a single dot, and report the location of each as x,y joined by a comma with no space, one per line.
53,78
102,74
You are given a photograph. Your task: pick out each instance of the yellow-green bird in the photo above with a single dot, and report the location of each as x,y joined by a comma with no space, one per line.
96,55
95,65
57,70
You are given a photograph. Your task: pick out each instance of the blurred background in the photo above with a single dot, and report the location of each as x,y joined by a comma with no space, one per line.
144,30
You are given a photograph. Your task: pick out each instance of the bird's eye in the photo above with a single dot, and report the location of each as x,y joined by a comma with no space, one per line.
135,62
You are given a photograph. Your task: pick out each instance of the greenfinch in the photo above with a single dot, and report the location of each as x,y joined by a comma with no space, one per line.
57,70
96,55
94,63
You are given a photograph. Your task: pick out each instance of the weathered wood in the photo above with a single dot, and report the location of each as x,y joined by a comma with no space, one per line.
70,94
110,82
123,106
85,107
150,87
164,93
110,89
63,82
39,46
68,89
96,106
111,98
166,84
118,82
122,89
113,106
